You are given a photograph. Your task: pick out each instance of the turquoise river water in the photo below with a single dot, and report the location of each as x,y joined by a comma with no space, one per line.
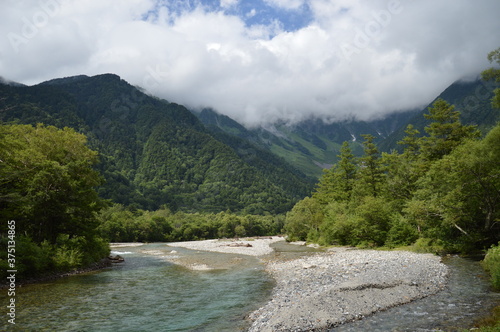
148,293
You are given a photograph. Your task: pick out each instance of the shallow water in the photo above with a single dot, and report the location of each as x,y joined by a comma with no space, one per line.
467,297
146,293
149,293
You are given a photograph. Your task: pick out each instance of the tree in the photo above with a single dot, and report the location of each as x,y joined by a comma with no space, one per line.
411,143
49,172
48,188
370,175
458,200
304,219
493,74
403,170
336,183
445,131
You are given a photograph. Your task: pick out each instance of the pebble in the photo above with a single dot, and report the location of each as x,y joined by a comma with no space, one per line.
328,289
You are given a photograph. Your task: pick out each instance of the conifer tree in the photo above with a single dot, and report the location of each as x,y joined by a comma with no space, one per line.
336,183
445,131
370,175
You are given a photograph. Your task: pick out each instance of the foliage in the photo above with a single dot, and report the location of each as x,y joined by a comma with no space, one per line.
337,182
47,188
445,131
156,153
494,74
121,224
303,220
440,194
491,264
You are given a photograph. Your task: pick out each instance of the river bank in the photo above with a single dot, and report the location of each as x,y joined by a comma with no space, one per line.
333,287
48,277
328,289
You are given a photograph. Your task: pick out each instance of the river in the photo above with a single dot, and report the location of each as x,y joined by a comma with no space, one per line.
149,293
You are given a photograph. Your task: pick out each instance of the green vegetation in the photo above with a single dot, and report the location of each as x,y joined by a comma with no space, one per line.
440,194
48,203
493,74
491,264
121,224
163,176
156,153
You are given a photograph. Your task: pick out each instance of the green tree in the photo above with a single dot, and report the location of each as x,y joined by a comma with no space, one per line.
445,132
48,188
48,181
403,170
411,143
336,182
304,219
463,191
493,74
370,177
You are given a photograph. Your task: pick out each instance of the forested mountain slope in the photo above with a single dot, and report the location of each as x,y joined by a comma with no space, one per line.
471,98
314,144
310,145
154,152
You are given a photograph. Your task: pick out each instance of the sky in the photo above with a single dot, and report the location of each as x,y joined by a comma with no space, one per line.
258,61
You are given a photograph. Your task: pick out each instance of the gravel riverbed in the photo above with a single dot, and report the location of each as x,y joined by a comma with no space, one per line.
319,292
327,289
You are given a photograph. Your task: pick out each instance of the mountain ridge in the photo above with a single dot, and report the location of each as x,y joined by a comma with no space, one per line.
154,152
313,144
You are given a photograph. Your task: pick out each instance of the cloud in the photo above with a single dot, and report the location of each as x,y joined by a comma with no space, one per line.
349,58
228,3
286,4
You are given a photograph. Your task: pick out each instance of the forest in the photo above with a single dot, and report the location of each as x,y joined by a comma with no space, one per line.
441,192
148,171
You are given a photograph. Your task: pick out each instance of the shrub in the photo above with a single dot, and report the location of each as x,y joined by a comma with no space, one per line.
427,245
66,259
401,233
491,263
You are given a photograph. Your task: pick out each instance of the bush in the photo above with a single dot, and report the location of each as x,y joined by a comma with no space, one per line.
66,259
491,263
427,245
401,234
337,227
32,259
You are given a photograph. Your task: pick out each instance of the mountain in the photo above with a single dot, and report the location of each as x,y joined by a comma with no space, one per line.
7,82
313,144
158,153
471,98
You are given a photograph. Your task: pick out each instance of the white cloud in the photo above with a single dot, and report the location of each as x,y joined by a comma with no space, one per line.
228,3
356,57
286,4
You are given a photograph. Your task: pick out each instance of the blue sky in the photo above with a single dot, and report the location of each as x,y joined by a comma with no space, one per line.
252,12
258,61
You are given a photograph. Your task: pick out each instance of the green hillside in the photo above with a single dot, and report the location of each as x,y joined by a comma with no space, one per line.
156,153
313,145
471,99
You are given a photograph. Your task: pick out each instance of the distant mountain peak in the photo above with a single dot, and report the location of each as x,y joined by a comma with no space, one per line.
64,80
77,78
5,81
